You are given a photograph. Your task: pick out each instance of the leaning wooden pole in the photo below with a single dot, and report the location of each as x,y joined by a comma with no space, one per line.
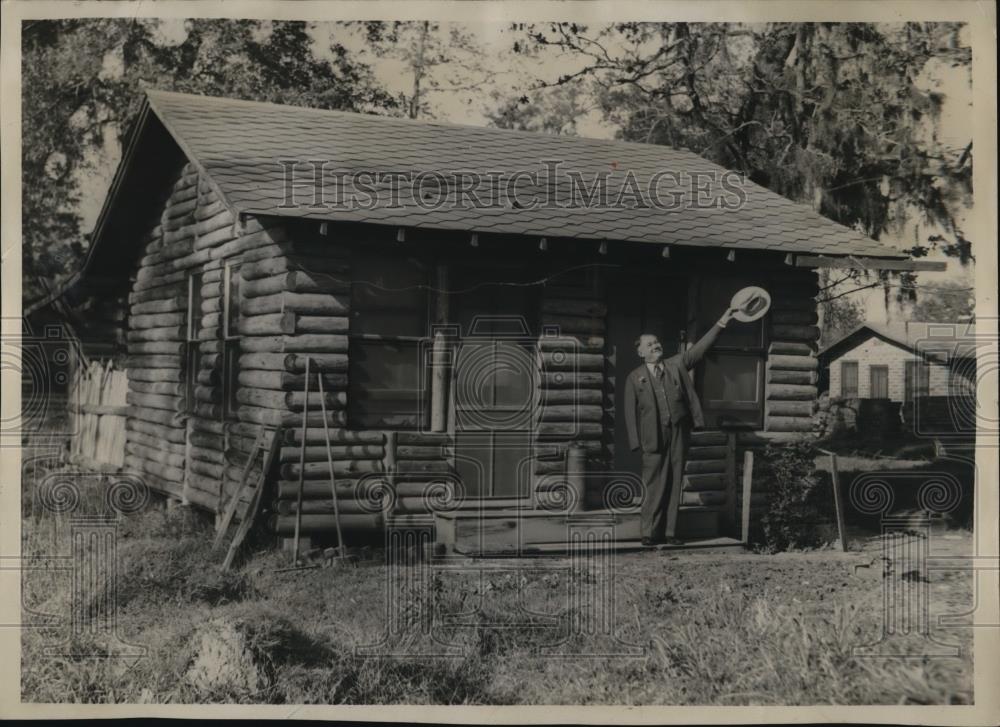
838,504
302,469
439,356
747,484
329,460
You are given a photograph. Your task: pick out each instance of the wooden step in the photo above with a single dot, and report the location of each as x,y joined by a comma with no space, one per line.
695,545
513,531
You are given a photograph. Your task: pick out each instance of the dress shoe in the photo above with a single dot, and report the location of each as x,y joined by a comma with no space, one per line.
648,542
672,541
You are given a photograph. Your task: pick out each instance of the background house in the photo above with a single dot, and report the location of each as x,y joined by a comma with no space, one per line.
926,370
900,362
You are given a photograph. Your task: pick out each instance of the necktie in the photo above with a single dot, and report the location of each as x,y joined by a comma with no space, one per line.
658,370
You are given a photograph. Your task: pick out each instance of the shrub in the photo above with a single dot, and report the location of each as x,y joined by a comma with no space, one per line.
787,473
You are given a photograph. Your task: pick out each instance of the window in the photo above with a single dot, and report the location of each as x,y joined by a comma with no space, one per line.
916,380
230,338
191,344
730,380
879,387
389,312
849,379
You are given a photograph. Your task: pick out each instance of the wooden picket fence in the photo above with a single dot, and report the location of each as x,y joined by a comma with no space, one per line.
98,407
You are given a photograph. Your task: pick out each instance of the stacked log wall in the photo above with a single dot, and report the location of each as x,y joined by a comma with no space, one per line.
296,303
156,335
792,369
422,474
571,377
187,450
295,312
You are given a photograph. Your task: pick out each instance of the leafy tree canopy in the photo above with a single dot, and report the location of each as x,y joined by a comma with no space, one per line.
82,82
946,302
831,114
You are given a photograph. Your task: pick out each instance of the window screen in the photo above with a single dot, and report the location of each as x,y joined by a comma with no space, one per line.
730,379
849,379
231,338
879,382
389,309
191,343
916,380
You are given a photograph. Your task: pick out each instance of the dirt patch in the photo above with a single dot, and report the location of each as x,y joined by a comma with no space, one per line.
225,662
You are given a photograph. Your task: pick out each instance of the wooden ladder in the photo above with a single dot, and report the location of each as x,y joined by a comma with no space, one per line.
252,481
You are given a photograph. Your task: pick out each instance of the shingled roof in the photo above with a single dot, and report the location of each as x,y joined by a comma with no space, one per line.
933,339
244,148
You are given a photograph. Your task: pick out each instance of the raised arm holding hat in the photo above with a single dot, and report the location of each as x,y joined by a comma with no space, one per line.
661,407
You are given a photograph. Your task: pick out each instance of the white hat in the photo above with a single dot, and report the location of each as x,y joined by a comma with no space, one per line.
752,303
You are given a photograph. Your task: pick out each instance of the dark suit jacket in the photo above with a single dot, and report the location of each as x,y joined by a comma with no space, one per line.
642,418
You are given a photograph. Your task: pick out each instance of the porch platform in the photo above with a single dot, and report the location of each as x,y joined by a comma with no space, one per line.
517,532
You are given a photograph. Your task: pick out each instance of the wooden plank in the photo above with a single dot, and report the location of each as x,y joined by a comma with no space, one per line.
100,409
711,452
747,484
867,263
705,466
729,512
790,408
724,546
780,376
838,505
705,483
354,523
789,424
708,438
792,363
791,392
267,447
439,383
795,333
707,497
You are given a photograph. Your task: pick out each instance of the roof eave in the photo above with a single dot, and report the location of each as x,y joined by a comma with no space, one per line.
114,191
855,262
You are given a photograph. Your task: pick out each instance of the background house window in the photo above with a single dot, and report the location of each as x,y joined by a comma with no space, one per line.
879,382
230,338
389,315
849,379
191,346
916,380
730,380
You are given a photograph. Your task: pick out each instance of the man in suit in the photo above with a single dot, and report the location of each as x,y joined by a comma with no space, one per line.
661,407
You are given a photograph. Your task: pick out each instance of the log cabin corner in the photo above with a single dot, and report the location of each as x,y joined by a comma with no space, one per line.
470,358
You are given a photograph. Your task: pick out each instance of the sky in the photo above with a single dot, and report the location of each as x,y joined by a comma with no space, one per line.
495,70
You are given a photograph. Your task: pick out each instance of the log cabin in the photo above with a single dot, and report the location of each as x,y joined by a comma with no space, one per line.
468,298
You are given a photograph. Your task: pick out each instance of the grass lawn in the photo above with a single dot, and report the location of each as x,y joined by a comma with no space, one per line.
689,629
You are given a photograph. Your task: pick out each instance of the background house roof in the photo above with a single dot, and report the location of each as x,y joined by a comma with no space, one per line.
241,145
937,340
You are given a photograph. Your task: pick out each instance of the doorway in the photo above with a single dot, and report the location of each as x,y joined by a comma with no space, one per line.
640,303
494,384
